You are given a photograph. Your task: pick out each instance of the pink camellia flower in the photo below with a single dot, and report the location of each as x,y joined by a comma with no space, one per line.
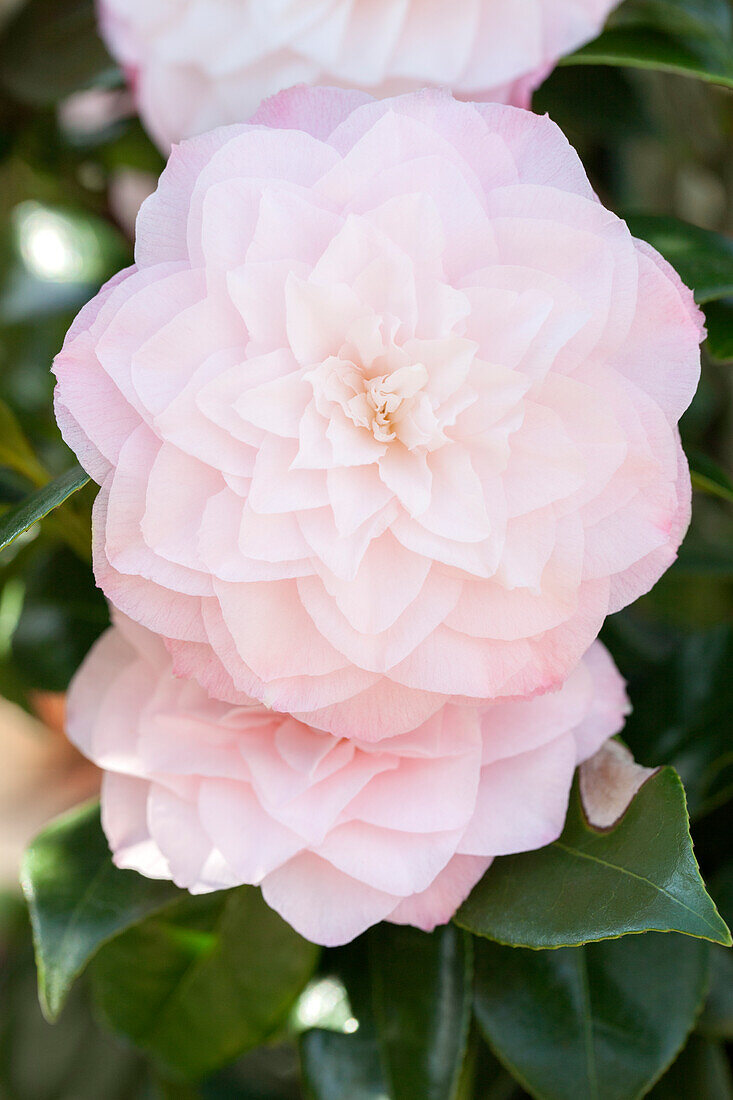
386,413
197,64
339,833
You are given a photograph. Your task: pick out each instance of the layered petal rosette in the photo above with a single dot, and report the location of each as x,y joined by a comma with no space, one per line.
386,413
339,833
197,64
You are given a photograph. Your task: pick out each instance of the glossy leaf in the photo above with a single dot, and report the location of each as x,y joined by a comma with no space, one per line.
20,518
204,980
594,884
601,1022
690,37
422,999
79,900
681,716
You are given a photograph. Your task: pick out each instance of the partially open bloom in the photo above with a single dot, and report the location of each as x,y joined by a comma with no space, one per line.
197,64
386,413
339,833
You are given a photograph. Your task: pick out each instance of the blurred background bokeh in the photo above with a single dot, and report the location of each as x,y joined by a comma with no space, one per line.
74,166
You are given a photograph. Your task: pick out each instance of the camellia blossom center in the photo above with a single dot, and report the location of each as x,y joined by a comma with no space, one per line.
382,391
390,406
387,400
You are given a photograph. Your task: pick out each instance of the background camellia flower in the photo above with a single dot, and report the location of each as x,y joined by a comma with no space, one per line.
340,834
197,64
386,414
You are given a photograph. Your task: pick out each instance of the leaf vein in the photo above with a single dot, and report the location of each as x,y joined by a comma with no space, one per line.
640,878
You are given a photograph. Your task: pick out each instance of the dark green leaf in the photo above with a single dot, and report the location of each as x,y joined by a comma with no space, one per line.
335,1066
690,37
681,716
78,900
19,519
701,18
593,884
601,1022
204,980
700,1073
703,259
647,48
422,994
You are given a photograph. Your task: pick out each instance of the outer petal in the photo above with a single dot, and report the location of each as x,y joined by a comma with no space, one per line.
322,903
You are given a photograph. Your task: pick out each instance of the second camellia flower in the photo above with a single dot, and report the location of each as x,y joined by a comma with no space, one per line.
386,413
196,64
339,833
